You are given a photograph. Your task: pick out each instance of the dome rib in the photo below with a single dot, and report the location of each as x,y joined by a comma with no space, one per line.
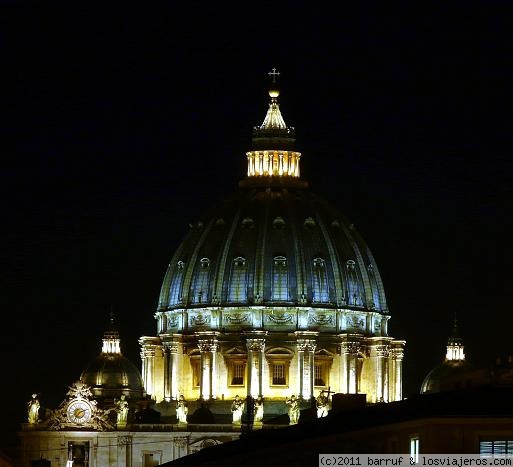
164,298
339,288
221,268
299,254
361,266
187,282
260,256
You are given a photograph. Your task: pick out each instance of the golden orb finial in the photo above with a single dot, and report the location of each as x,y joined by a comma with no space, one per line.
274,92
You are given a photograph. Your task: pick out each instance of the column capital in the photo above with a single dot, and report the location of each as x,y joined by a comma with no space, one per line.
171,346
257,345
382,350
208,345
352,348
181,441
306,345
397,353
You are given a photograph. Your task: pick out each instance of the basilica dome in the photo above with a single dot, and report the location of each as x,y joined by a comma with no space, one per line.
272,292
273,242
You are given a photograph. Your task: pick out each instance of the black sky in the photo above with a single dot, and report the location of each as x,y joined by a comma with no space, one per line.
123,123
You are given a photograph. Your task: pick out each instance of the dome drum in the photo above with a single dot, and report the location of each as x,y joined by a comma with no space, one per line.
288,319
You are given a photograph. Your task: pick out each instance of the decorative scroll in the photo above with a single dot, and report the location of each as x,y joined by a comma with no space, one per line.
200,319
280,317
172,321
237,318
321,319
355,322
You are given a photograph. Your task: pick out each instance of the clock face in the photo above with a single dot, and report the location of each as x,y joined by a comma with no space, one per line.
79,412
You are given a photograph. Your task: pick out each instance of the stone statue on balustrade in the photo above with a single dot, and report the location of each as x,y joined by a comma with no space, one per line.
259,410
121,410
33,409
237,408
323,403
293,404
181,410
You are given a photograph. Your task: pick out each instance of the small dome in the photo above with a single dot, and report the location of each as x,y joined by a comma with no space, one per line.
111,374
451,374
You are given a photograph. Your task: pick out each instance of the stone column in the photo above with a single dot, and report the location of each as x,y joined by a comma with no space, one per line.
208,348
148,367
255,362
125,451
305,350
396,373
349,353
382,354
180,446
170,370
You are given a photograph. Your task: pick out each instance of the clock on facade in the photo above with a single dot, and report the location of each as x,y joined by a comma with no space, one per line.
79,411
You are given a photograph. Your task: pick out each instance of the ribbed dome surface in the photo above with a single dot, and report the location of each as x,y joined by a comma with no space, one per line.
271,245
112,374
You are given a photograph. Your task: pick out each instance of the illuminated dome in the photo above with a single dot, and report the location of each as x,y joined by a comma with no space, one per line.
111,374
272,292
273,242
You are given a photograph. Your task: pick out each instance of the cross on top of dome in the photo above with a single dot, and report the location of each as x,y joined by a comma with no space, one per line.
274,74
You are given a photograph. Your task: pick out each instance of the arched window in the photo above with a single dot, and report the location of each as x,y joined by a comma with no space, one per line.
200,287
353,284
320,282
280,283
237,291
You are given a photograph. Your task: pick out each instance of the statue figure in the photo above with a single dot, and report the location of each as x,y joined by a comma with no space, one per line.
181,410
122,410
323,404
293,404
33,409
237,407
259,409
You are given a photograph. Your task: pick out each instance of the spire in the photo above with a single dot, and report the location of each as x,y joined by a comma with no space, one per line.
110,341
273,118
455,348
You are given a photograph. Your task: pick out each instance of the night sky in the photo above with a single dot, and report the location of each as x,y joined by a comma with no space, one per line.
122,124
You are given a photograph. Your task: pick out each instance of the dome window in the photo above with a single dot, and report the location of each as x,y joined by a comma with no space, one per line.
309,222
248,223
238,284
205,262
220,221
280,283
180,264
239,262
350,265
278,223
320,283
